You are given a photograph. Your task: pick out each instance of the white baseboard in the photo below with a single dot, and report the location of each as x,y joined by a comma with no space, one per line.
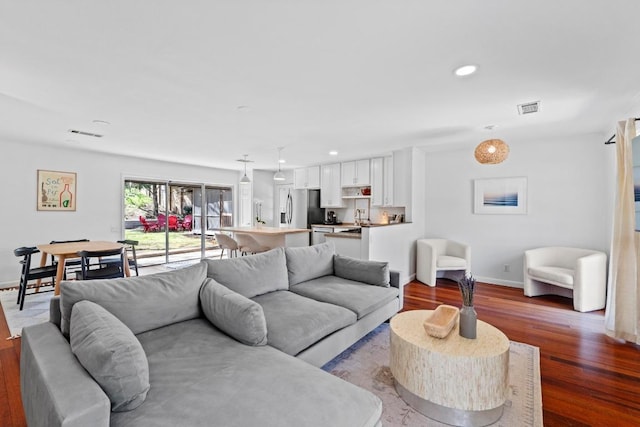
501,282
5,285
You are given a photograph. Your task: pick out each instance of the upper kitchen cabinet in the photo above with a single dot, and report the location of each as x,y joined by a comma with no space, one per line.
330,188
382,181
356,173
306,178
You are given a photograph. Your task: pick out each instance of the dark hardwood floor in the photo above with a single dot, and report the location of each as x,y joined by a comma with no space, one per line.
588,379
11,413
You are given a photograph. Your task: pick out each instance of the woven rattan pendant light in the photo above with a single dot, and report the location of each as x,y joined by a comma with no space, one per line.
492,151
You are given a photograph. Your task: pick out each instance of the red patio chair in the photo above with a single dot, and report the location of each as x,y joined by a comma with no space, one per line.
173,223
148,226
187,223
162,221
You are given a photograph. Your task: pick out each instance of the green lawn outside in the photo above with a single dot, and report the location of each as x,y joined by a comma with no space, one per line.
155,241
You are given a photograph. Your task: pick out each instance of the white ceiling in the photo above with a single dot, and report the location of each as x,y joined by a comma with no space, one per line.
204,82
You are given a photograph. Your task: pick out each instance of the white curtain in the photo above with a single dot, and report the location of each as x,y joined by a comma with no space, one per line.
622,317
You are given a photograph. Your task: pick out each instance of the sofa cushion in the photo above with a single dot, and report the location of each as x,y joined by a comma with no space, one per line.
558,275
360,298
233,313
142,303
202,377
371,272
309,262
448,261
251,275
295,322
111,354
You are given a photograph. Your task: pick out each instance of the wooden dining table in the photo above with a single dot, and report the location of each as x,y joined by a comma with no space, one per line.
64,251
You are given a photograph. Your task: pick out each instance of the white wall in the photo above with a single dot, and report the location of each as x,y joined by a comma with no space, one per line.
99,199
263,189
570,199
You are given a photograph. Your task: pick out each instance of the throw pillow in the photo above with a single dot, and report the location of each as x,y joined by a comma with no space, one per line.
371,272
251,275
142,303
111,354
310,262
234,314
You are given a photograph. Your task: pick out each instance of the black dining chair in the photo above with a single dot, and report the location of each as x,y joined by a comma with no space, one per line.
131,249
35,273
70,265
91,270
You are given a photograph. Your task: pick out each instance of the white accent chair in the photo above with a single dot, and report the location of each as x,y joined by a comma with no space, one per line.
227,243
441,258
575,273
249,245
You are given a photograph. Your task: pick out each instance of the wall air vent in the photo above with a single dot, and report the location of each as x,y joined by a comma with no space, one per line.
529,107
81,132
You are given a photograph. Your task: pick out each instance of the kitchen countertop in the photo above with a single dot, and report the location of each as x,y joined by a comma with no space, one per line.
353,225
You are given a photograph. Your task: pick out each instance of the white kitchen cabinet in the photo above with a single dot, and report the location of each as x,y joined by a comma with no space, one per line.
382,181
355,173
330,188
306,178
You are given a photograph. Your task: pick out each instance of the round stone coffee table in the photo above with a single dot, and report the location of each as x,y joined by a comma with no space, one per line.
453,380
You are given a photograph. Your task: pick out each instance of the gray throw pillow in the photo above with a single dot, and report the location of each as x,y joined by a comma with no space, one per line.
310,262
251,275
111,354
371,272
233,313
142,303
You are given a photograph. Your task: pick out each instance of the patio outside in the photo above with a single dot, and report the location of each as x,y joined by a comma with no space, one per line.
176,232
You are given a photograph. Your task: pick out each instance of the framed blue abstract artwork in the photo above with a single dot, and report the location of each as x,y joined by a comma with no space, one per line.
500,196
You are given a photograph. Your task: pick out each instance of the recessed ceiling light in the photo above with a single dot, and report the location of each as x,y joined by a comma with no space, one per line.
282,161
333,153
101,122
465,70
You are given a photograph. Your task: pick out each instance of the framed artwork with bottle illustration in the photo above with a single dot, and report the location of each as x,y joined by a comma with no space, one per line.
56,190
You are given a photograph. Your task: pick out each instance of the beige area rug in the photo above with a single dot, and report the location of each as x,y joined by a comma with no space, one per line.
35,310
366,364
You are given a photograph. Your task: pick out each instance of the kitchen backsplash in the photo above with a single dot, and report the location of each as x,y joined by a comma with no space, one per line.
375,216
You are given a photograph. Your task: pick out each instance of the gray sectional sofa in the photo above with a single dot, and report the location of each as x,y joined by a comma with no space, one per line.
234,342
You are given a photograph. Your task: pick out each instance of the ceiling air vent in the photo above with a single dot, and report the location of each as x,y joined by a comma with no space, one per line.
81,132
529,107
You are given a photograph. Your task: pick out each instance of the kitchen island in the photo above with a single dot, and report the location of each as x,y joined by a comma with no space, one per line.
274,237
361,241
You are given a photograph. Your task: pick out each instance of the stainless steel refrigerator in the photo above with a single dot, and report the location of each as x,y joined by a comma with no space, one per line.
300,208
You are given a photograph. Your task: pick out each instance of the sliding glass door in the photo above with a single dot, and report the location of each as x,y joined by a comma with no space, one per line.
183,240
166,219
